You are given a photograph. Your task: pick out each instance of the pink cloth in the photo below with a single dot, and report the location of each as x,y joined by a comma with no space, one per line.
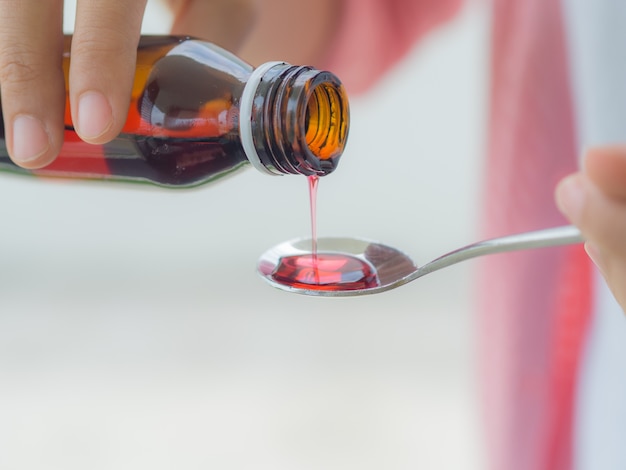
535,306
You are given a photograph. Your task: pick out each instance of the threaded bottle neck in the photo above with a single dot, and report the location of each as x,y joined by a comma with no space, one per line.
294,120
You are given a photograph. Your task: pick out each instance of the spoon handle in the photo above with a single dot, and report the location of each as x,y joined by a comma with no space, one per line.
565,235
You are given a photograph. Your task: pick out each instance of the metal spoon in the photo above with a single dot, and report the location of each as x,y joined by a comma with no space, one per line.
395,268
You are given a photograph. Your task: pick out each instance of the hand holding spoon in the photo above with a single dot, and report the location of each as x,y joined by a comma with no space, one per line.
391,267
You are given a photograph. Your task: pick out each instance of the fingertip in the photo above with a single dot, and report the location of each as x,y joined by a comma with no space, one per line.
94,122
32,143
570,196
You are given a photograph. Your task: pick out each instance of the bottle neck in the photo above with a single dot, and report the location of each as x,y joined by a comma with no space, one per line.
293,120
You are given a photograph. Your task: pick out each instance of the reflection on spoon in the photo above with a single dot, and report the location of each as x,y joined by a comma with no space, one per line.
349,266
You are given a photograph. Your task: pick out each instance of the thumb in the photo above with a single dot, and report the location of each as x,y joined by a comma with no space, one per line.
223,22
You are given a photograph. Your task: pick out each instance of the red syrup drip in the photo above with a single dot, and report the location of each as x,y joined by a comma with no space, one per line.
324,271
313,180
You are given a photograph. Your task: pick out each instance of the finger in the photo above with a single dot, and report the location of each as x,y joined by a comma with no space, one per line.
602,221
31,79
226,23
104,53
279,21
606,167
600,217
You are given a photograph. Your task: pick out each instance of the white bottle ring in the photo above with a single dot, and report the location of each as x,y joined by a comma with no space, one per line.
245,117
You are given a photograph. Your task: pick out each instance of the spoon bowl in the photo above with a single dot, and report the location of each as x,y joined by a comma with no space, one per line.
393,267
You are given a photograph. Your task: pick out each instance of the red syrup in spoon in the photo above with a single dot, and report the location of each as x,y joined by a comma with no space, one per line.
324,271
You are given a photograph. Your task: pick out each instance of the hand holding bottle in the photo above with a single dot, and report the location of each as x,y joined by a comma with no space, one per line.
32,80
595,200
104,47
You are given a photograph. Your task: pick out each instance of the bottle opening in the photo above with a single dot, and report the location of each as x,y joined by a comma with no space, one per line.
326,123
294,120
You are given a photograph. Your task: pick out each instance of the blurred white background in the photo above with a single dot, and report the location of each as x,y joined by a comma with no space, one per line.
135,333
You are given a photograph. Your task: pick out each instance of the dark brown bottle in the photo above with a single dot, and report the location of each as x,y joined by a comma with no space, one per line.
198,113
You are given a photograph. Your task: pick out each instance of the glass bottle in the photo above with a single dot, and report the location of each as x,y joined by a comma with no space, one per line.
198,113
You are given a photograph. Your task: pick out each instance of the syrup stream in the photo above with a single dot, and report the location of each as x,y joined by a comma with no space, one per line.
323,271
313,182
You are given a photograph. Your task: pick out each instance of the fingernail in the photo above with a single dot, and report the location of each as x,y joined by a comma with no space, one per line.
95,116
570,196
30,139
